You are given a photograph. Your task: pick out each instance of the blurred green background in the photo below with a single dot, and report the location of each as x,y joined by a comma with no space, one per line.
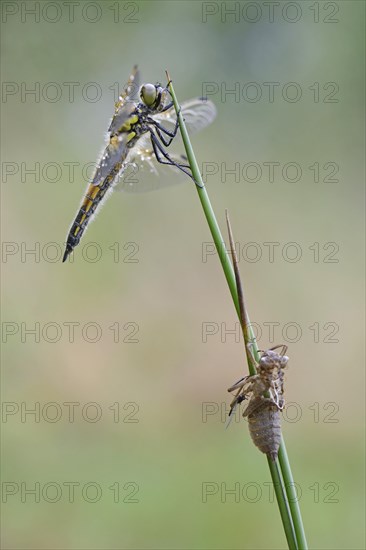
152,355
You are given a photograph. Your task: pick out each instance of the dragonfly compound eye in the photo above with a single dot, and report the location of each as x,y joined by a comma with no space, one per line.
148,94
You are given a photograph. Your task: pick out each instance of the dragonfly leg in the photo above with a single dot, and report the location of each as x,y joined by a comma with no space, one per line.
159,150
167,107
160,129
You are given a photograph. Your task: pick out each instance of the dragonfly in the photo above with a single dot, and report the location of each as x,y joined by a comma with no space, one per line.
144,124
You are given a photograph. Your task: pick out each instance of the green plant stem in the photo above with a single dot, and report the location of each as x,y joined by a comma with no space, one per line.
289,509
292,496
283,505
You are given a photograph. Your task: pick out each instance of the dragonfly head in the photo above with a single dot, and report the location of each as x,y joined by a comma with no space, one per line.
154,96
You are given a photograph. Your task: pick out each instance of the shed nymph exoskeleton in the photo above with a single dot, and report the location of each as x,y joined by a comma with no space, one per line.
265,393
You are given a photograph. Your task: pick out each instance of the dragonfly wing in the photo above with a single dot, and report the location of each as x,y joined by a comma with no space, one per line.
120,117
126,101
133,85
115,153
142,173
197,113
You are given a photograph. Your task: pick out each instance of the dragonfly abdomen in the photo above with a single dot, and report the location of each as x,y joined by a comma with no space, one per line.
92,200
